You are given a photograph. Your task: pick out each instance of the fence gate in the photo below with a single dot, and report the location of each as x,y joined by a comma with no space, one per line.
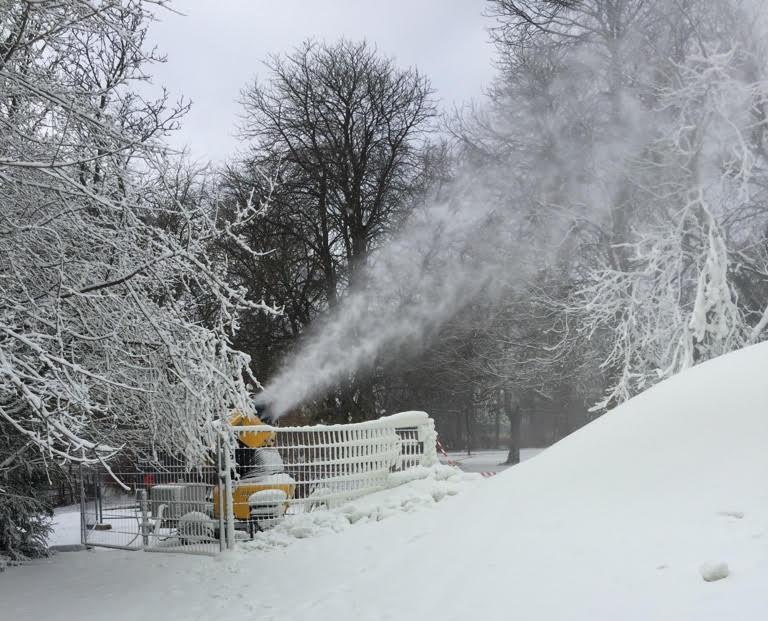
109,515
250,485
162,508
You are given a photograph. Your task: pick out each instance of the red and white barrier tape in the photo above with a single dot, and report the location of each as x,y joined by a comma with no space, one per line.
450,462
444,454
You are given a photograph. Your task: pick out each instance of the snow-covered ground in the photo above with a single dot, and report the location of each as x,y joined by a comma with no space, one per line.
656,511
485,460
66,526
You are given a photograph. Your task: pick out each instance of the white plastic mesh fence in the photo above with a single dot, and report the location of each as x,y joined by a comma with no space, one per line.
326,465
294,469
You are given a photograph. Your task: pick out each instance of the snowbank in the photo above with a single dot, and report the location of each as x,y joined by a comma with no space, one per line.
414,489
629,518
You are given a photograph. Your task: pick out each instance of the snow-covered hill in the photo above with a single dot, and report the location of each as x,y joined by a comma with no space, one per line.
618,521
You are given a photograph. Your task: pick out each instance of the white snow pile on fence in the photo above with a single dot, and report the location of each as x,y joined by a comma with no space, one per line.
658,510
416,488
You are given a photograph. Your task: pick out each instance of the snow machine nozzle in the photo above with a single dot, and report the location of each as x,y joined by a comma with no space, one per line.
264,410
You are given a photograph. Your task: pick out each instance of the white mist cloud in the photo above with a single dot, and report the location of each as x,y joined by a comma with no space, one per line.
445,255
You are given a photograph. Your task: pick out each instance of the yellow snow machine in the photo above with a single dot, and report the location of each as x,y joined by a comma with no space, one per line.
261,489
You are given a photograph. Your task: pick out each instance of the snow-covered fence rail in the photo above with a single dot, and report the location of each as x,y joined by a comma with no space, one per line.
325,465
257,475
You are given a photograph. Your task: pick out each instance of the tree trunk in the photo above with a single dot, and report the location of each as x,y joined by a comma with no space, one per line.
366,397
515,416
468,407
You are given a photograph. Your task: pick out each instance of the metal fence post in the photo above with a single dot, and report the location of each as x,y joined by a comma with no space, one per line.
230,526
83,527
144,507
220,492
98,505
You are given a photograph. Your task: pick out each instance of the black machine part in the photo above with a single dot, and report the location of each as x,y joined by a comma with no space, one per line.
263,410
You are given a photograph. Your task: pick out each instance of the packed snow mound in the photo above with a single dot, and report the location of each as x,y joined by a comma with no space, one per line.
701,434
412,489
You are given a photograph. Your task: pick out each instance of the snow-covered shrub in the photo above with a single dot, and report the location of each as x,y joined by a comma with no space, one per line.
24,513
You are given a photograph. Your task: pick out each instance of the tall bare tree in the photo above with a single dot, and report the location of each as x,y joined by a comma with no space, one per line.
348,131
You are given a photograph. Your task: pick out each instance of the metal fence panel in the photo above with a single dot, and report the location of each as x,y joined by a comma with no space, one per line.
164,507
173,508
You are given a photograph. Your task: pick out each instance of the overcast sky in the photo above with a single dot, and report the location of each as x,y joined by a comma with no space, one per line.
217,46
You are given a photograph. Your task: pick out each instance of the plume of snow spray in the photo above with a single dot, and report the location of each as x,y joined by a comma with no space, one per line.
489,237
444,256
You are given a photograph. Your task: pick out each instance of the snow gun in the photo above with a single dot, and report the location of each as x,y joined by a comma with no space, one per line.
260,487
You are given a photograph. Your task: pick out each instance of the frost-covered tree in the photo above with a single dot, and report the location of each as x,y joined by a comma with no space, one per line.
654,159
115,317
699,217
